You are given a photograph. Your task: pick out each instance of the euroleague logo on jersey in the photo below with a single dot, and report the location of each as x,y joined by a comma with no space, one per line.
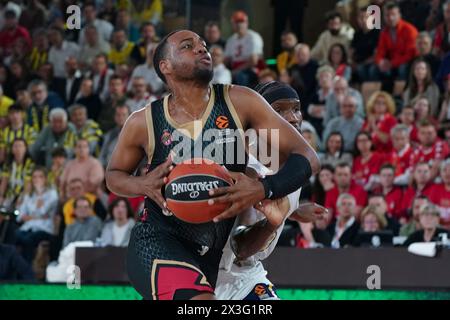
166,138
222,122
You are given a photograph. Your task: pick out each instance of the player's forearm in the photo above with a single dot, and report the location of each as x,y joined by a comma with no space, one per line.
124,184
247,241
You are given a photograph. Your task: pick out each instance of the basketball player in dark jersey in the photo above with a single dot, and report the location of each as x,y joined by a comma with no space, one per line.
168,258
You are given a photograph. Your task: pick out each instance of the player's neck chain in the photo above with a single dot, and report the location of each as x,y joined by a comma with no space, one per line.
189,114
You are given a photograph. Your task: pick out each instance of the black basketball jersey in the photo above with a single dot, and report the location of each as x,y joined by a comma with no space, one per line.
218,136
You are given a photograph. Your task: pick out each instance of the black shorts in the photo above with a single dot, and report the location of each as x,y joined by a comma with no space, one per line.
162,266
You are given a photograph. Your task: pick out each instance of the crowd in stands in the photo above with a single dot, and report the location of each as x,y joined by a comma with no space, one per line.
375,106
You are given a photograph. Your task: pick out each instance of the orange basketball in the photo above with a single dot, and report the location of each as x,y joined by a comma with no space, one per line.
187,190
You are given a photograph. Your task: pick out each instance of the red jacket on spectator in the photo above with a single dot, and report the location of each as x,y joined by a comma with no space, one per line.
440,196
401,160
438,151
385,124
357,191
402,50
7,38
410,193
361,171
439,37
414,134
394,199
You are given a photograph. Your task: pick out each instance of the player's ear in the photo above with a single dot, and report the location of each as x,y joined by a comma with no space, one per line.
165,66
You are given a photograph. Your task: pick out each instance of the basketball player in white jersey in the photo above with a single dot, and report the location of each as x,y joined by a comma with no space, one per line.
247,279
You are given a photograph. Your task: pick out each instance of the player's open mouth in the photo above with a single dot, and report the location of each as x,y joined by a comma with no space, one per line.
205,60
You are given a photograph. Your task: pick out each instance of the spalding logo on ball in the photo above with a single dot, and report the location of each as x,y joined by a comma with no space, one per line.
187,190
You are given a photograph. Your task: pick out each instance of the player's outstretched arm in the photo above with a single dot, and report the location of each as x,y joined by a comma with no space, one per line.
127,155
249,240
298,158
309,212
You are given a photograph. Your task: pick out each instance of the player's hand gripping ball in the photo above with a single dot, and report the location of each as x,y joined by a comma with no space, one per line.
187,190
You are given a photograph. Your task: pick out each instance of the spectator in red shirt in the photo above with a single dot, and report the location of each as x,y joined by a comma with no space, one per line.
367,162
408,118
401,154
441,41
344,184
11,32
380,120
396,46
422,184
440,194
392,194
431,150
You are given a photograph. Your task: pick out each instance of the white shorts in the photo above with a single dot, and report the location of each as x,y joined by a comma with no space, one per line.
242,286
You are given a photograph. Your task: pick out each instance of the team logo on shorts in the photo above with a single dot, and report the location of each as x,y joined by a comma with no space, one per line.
222,122
166,138
264,291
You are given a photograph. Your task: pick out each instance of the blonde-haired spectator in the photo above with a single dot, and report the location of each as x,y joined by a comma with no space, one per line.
316,109
380,120
372,220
